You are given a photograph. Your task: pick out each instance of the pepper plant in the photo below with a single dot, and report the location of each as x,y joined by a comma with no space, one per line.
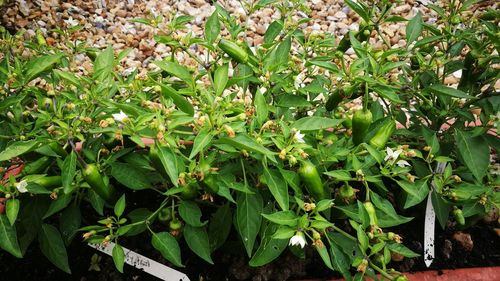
285,145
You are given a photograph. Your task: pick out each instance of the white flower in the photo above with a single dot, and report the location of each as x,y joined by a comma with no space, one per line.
120,117
392,155
402,163
21,186
298,137
298,240
71,22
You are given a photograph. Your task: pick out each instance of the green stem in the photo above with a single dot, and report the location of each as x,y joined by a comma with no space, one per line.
381,271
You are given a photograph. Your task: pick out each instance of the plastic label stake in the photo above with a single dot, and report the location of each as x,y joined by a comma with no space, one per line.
148,265
430,222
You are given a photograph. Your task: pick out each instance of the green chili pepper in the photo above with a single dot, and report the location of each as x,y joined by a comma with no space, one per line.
49,182
233,50
37,166
165,215
361,121
334,99
347,193
370,209
190,191
58,149
383,134
211,184
402,278
94,178
459,216
312,180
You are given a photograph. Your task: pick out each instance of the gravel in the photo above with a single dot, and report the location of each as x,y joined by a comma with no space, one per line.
108,22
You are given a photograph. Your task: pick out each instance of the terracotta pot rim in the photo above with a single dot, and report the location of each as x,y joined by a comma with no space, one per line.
458,274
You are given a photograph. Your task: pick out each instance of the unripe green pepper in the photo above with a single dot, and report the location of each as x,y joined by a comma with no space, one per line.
175,224
49,182
234,51
312,180
347,193
459,216
370,209
211,184
383,134
37,166
165,215
190,191
94,178
58,149
334,99
402,278
361,121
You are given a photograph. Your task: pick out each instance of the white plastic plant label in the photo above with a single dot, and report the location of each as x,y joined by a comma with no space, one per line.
148,265
430,222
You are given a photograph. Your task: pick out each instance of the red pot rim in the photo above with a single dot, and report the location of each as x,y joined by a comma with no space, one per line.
461,274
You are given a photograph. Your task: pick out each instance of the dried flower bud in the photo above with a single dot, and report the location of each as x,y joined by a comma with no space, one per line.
309,207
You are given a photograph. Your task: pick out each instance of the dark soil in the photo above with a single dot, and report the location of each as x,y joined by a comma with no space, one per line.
229,266
232,264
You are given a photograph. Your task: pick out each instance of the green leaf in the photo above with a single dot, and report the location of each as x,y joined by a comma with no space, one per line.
273,31
293,101
53,248
261,107
68,172
39,65
177,70
416,192
118,257
282,218
440,89
212,27
17,148
389,217
69,223
313,123
169,162
339,175
12,209
340,261
191,213
248,218
325,256
201,141
269,248
277,186
130,176
221,78
120,206
8,237
57,205
441,208
282,53
103,65
178,100
197,240
69,77
414,28
166,244
220,226
359,9
242,141
474,153
402,250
